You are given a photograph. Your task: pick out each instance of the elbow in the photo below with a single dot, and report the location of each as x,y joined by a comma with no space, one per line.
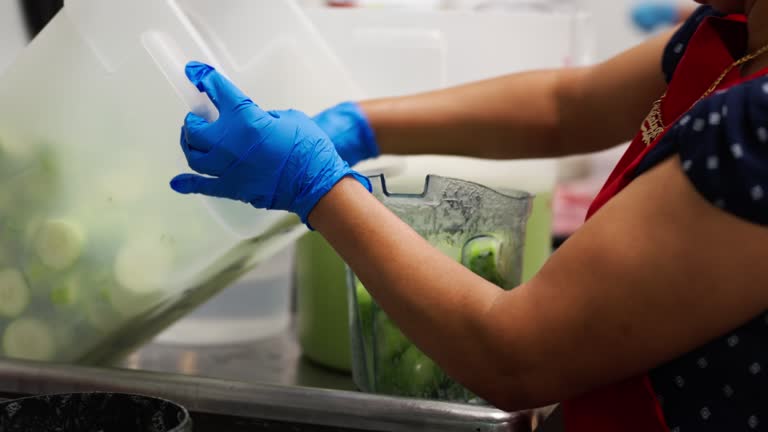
513,385
513,375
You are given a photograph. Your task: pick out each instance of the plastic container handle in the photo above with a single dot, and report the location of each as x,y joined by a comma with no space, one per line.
171,61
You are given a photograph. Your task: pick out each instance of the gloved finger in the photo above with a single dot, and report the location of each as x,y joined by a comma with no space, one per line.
195,128
204,163
223,94
189,152
194,184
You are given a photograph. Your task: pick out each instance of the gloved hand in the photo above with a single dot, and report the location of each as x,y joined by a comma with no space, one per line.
348,128
651,14
277,160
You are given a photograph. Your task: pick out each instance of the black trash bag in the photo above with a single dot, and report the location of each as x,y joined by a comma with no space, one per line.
93,412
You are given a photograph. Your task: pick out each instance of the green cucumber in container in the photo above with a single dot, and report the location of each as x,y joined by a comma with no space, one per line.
365,307
419,374
401,369
481,256
59,243
391,343
29,339
143,273
14,293
67,291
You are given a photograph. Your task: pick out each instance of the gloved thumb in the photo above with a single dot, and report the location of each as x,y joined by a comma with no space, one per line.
194,184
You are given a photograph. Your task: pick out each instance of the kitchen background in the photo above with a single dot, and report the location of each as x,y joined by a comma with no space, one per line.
291,289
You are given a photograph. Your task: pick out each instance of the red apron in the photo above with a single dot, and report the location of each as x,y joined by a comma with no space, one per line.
631,406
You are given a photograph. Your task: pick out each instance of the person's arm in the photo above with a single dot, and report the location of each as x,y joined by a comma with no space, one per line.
533,114
655,273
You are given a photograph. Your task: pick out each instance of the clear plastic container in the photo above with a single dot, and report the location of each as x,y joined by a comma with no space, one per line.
321,288
97,253
537,177
482,229
276,56
275,52
255,307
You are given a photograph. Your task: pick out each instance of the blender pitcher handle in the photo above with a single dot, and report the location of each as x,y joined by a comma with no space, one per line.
171,60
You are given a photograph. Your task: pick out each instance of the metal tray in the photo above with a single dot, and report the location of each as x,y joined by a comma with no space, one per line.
248,407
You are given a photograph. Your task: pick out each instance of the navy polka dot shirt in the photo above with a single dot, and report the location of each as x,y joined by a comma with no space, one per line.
723,146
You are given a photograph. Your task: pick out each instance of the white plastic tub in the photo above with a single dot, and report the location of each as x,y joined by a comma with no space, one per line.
98,254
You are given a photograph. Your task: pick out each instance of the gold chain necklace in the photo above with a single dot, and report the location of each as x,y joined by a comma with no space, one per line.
653,126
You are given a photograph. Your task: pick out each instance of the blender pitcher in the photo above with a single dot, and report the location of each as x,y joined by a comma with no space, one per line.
481,228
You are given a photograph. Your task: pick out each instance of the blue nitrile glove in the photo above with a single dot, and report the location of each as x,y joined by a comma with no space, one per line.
278,160
350,131
652,14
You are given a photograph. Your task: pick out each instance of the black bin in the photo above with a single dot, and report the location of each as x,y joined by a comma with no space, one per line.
93,412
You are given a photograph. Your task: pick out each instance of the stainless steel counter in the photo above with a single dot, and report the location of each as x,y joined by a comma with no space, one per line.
278,362
259,386
303,409
275,360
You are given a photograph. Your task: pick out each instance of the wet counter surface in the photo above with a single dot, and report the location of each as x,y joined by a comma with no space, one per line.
278,361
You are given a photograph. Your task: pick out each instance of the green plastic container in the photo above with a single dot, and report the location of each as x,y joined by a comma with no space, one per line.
321,295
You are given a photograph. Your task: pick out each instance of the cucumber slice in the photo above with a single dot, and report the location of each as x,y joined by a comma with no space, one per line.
481,255
143,272
66,292
14,293
144,266
29,339
37,274
59,243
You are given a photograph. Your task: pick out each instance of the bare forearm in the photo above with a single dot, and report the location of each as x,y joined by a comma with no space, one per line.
547,113
509,346
508,117
435,301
